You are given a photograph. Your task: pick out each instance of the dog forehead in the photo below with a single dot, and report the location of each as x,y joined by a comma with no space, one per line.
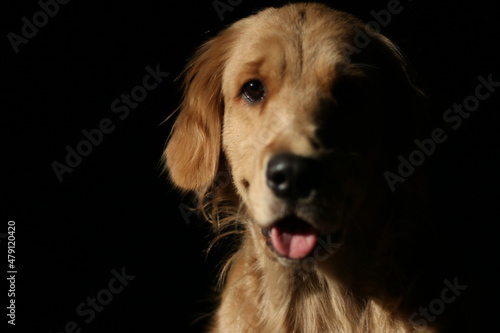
299,44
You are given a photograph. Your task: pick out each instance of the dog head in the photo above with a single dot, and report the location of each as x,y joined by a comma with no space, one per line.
302,118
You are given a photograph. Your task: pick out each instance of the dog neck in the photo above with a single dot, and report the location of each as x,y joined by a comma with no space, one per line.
338,286
262,295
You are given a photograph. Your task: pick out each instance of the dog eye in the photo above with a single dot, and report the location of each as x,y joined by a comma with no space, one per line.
254,91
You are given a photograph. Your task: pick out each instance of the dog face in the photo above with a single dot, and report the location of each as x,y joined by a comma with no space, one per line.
299,115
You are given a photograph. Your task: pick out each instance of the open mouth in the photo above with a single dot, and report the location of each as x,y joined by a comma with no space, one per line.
291,237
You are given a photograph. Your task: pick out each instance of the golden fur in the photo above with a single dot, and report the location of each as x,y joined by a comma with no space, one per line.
352,109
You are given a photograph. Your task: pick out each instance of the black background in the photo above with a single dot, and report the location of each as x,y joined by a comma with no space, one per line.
116,210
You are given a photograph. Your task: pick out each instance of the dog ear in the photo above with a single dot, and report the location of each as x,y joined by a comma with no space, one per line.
193,150
406,114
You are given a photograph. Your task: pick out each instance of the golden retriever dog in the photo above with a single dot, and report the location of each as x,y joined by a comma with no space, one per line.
304,119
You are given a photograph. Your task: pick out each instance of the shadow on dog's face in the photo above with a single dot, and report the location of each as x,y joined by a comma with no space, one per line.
303,129
301,115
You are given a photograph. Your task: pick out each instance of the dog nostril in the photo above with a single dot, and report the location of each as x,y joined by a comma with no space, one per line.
292,177
277,177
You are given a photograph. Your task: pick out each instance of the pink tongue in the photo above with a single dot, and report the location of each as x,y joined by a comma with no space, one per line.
295,244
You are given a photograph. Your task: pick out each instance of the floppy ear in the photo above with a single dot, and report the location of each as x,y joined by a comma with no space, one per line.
192,153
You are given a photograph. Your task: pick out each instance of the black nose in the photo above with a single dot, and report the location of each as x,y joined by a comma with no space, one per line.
292,177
